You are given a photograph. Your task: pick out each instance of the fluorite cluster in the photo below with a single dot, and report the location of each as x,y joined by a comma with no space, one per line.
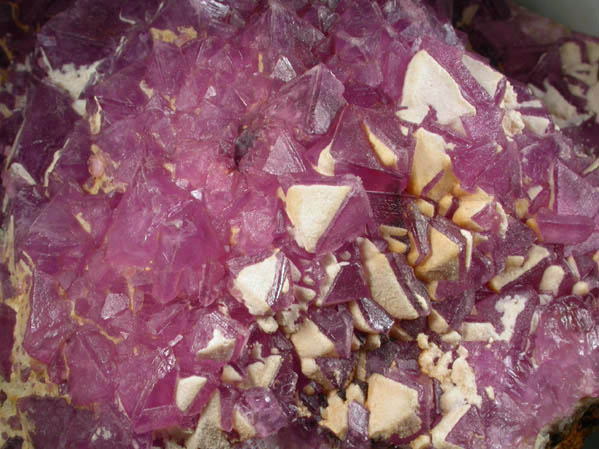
289,224
560,66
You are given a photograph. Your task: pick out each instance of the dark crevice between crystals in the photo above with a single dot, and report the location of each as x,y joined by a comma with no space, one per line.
13,443
572,433
243,144
4,60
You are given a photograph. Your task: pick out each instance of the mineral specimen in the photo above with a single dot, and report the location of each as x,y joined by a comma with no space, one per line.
292,224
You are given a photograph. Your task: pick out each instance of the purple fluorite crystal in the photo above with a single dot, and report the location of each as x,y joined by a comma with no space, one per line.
294,224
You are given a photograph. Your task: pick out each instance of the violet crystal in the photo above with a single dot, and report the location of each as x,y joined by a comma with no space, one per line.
292,224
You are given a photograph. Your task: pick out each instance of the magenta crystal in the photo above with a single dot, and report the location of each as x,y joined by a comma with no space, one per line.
263,410
49,324
296,224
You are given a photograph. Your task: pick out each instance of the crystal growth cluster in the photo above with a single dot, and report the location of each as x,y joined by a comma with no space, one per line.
287,224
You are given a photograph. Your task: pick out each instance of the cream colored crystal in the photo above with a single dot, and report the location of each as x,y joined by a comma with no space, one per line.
326,162
263,373
243,426
208,433
311,209
536,124
443,261
552,279
384,287
429,160
487,77
255,283
335,415
535,256
428,84
310,342
218,348
393,408
385,154
187,390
